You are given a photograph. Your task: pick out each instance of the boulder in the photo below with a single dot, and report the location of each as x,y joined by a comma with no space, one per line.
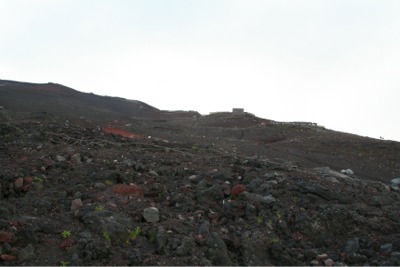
394,184
386,249
76,158
151,214
352,246
19,183
6,236
76,204
348,172
212,193
217,251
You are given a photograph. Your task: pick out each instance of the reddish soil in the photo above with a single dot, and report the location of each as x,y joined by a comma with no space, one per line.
120,132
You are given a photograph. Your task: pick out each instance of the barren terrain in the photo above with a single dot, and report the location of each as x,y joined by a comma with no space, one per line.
91,180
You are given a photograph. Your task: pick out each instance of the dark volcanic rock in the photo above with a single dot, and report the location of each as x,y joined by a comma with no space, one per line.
254,248
217,251
174,190
352,246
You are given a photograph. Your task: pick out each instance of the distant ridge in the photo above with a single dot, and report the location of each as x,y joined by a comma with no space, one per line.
66,102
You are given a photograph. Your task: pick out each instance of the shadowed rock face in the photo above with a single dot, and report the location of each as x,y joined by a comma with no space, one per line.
107,181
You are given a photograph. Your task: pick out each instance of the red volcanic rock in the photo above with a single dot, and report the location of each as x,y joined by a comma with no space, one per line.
19,183
28,179
119,132
7,257
7,237
76,204
123,189
237,189
66,243
49,162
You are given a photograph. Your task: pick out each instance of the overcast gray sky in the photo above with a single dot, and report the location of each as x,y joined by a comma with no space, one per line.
334,62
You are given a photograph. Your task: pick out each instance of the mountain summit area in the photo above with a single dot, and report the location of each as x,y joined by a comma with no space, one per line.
96,180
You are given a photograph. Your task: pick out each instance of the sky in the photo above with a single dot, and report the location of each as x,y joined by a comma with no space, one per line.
333,62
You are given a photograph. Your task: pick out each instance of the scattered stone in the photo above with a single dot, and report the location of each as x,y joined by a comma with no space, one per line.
6,257
76,204
214,192
394,184
183,202
151,214
270,175
76,158
161,240
200,240
251,211
280,255
78,195
326,193
322,257
66,243
329,262
74,260
386,248
395,181
19,183
310,254
352,246
7,248
226,189
331,179
28,180
355,258
11,189
217,251
123,189
314,263
237,189
27,253
60,158
282,227
268,200
204,262
187,247
380,200
204,228
153,173
99,185
99,222
395,258
224,230
28,233
254,248
8,237
193,178
348,172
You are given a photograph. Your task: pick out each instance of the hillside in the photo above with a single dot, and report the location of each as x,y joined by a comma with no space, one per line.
65,102
92,180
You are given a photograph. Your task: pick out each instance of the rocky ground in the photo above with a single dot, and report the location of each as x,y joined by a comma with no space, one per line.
90,180
76,194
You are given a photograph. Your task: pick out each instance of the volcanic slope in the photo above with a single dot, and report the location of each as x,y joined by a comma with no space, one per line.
66,102
116,187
